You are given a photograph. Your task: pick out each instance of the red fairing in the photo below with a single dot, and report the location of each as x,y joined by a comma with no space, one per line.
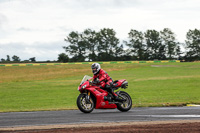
99,94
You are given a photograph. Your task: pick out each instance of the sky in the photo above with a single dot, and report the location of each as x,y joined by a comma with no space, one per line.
37,28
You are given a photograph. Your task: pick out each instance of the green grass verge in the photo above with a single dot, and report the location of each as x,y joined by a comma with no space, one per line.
33,88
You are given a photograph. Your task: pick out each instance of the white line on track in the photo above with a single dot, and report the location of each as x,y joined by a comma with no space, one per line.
171,116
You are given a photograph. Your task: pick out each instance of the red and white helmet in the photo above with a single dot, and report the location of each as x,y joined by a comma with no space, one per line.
95,68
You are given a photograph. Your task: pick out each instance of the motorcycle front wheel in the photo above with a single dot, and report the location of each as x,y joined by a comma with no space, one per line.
83,105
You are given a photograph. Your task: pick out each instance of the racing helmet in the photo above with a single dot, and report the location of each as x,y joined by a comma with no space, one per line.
95,68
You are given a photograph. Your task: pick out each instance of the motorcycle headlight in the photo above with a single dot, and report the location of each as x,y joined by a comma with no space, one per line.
83,87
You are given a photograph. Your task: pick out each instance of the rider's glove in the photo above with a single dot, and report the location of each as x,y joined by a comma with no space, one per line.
96,81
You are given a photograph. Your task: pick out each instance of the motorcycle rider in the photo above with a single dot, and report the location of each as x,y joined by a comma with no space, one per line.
101,78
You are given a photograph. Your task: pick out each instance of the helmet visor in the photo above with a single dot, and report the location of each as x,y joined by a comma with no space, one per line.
94,70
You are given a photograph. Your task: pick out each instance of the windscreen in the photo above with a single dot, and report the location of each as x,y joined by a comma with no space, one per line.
85,78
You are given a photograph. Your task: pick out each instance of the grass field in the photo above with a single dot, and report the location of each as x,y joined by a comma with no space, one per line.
31,88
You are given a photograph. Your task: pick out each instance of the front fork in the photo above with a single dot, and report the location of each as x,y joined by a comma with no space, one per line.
88,97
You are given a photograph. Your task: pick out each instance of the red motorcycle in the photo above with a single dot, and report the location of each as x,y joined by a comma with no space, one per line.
93,96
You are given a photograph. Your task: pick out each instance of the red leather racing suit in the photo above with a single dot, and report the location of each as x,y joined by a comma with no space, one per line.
103,77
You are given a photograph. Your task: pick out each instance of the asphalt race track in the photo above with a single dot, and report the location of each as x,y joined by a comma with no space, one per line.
67,117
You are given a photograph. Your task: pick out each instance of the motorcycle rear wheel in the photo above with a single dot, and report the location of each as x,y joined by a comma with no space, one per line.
126,105
83,106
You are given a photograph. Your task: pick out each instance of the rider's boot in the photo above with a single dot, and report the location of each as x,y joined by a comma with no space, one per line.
116,98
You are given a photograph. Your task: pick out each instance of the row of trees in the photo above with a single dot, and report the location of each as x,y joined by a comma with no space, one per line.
150,45
16,59
105,46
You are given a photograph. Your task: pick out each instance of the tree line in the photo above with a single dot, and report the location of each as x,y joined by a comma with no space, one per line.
103,45
16,59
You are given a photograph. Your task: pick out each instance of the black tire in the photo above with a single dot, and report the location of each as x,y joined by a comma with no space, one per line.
126,105
83,106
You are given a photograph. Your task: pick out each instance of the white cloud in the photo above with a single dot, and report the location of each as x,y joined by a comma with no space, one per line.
38,24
